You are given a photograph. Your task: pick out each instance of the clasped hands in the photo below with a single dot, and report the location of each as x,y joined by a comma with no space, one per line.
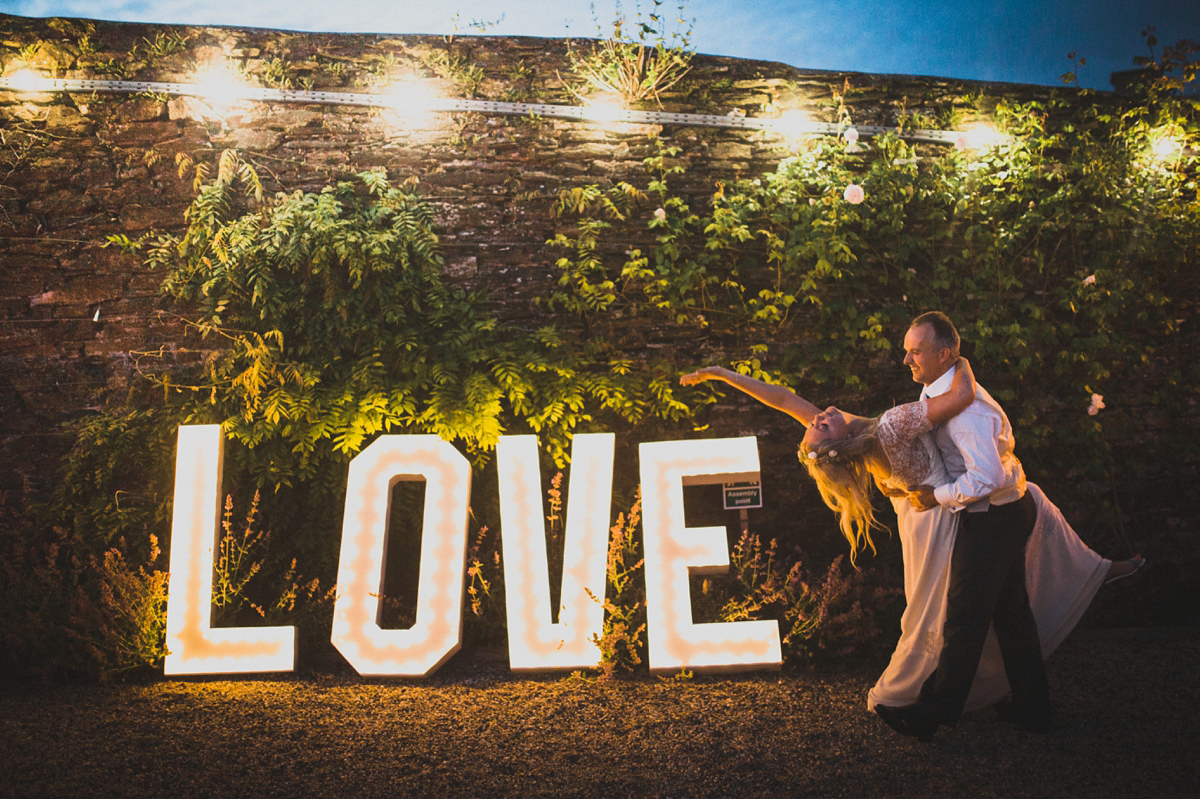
920,497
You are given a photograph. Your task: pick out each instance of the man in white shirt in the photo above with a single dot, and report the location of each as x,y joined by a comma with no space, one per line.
987,569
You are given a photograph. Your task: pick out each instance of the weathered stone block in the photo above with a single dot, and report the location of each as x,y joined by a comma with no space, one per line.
64,120
461,267
64,202
254,139
87,290
292,119
732,151
141,134
137,218
136,109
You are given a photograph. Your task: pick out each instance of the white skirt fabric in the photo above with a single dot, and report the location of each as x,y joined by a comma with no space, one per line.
1062,576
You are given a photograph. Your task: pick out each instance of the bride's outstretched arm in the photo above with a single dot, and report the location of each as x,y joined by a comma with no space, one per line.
957,399
777,397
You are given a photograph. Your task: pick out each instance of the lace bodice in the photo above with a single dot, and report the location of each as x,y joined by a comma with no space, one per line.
911,454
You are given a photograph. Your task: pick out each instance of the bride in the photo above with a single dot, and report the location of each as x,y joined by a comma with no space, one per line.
844,453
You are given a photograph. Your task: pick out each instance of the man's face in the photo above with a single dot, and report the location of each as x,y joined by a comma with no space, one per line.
922,356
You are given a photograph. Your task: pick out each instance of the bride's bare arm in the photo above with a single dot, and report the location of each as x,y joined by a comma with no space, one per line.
777,397
959,397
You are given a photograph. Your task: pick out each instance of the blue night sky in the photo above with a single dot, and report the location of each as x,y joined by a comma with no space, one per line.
1019,41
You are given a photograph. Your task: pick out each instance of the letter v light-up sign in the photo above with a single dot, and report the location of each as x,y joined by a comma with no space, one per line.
673,552
437,632
195,646
533,641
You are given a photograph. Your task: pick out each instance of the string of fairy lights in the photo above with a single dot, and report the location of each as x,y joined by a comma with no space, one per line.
412,98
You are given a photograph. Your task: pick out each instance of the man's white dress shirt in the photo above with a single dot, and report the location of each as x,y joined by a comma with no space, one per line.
977,447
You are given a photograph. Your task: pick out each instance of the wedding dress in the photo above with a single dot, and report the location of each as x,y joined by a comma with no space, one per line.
1062,574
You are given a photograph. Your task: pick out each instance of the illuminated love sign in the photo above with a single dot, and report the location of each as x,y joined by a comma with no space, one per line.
673,552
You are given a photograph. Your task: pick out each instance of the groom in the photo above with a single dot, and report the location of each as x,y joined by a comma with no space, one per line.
987,568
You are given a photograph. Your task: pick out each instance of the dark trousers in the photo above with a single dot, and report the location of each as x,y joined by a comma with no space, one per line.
987,587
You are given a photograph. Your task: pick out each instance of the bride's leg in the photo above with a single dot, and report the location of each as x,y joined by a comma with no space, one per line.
1123,568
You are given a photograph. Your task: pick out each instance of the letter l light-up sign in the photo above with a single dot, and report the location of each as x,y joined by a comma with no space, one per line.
194,645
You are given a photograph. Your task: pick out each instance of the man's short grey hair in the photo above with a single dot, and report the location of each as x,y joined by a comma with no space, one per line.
945,337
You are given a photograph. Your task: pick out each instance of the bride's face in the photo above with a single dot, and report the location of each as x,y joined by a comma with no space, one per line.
829,424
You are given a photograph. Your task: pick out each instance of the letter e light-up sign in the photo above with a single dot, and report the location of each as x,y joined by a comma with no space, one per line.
437,632
534,643
195,646
674,552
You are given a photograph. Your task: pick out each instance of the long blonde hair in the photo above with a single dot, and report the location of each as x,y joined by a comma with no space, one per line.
839,469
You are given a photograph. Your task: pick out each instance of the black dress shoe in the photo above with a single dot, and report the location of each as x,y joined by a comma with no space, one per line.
910,720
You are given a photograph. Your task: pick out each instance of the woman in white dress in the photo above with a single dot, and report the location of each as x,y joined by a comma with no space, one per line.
844,453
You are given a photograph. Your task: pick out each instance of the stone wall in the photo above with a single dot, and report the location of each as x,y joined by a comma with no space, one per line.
75,168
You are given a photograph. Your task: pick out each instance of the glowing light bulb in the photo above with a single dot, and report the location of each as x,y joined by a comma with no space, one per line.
219,87
980,137
28,80
604,108
1166,148
794,124
409,103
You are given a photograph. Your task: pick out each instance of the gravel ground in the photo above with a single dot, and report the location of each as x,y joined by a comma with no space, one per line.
1126,702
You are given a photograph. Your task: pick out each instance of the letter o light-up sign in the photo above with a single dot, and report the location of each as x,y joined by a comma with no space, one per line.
437,632
673,552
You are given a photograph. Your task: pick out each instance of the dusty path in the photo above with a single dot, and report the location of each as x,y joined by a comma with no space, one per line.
1128,704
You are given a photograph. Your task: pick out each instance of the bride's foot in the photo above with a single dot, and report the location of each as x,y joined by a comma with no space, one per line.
1120,569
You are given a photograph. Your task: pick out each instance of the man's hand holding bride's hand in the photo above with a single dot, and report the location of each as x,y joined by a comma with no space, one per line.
699,376
922,498
887,490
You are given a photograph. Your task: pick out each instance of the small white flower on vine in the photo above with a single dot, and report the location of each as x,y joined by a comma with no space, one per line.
1096,405
853,194
660,214
1089,280
851,135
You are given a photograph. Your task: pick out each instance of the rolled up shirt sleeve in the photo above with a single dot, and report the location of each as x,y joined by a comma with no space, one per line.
975,434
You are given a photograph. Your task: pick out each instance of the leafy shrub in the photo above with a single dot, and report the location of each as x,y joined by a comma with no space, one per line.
115,481
635,67
832,616
68,610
